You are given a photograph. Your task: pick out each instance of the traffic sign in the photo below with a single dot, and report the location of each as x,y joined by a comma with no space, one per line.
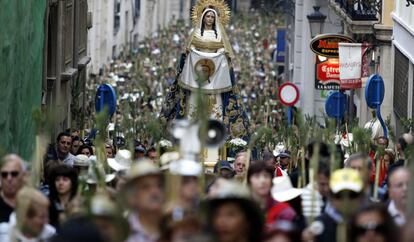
374,91
288,94
374,95
105,97
335,105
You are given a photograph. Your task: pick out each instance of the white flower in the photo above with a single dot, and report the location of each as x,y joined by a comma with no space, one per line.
238,142
165,143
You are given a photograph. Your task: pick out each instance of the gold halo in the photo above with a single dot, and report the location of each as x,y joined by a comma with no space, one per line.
220,6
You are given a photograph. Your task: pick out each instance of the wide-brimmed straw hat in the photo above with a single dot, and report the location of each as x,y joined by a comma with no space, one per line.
94,171
122,160
283,190
184,167
81,160
142,168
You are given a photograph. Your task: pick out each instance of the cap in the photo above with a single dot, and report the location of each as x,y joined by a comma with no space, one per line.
223,164
284,154
140,148
346,179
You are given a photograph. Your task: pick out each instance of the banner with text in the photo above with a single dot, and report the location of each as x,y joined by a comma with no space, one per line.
352,65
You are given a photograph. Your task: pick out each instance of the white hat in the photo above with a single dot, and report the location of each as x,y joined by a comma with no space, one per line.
185,167
283,190
92,177
122,160
81,160
278,149
142,168
168,157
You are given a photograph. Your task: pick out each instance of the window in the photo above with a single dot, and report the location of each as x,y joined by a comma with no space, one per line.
117,15
137,9
400,84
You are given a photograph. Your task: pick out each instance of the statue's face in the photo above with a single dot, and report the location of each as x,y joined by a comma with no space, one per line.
209,19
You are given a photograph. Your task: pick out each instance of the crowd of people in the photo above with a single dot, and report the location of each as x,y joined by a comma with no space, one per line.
93,191
142,196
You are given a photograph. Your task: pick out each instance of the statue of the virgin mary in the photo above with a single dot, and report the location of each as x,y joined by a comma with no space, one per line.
206,66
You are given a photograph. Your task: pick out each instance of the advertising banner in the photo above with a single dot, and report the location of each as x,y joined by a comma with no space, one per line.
352,65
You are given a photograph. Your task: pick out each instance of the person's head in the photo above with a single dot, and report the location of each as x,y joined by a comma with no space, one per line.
190,188
346,186
64,143
110,153
139,152
398,187
32,212
389,157
284,159
232,215
85,150
13,172
179,226
382,142
372,223
282,231
76,143
259,178
322,179
361,163
63,180
240,163
403,142
224,169
144,188
152,154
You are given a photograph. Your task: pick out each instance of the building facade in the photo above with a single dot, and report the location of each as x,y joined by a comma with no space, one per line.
364,21
43,57
65,61
119,25
300,68
403,63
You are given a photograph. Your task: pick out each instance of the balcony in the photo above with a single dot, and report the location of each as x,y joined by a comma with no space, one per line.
361,10
359,16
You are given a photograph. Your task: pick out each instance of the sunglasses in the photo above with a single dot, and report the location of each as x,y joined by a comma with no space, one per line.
5,174
377,228
346,194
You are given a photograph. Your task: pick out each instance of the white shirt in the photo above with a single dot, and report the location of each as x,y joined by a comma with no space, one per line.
399,217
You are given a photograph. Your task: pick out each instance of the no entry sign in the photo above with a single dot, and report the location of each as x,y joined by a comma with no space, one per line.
288,94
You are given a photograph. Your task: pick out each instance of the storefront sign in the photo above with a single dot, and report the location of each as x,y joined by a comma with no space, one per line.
327,74
327,44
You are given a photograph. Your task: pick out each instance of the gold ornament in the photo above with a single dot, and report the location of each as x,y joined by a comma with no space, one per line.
220,6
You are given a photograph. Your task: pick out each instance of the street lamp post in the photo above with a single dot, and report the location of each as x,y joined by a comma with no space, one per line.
316,21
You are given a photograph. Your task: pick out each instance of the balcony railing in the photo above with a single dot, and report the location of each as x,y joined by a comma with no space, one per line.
361,10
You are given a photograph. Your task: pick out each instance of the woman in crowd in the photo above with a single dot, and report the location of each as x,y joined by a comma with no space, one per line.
259,178
85,150
233,216
63,184
372,223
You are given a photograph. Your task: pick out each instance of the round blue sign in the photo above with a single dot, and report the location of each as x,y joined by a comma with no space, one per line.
374,91
335,105
105,97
